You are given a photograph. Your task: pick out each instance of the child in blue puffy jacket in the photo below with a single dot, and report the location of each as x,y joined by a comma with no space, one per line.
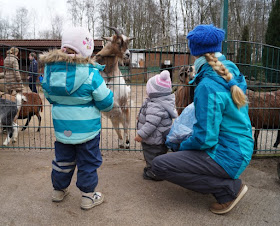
220,148
73,85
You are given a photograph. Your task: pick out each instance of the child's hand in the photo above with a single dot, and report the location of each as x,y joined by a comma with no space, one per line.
138,138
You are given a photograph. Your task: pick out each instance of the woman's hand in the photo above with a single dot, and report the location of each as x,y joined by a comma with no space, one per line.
138,138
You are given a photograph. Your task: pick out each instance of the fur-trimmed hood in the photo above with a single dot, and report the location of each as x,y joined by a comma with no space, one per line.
65,73
57,55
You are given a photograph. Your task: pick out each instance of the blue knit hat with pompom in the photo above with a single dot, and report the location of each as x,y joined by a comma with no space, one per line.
205,39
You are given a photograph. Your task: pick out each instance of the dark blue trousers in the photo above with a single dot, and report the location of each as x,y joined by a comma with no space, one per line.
197,171
32,83
86,156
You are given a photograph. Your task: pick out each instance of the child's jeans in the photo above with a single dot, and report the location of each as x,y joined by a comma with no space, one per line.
86,156
152,151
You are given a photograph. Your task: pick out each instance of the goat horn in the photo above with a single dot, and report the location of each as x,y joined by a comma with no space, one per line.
115,30
108,38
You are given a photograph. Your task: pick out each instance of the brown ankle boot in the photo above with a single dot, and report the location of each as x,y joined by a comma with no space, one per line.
222,208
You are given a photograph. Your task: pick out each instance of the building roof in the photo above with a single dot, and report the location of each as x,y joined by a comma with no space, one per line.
37,43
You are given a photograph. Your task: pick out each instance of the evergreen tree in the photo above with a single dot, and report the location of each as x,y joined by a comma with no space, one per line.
244,51
271,55
272,36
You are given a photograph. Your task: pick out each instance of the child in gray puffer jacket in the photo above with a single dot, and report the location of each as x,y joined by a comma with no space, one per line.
155,119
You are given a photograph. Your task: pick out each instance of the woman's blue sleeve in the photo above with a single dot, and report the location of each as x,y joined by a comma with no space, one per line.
208,111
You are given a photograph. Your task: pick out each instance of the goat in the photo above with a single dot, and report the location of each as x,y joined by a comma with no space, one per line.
8,112
184,94
115,50
31,106
264,112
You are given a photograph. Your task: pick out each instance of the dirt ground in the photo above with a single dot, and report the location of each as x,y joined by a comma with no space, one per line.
25,194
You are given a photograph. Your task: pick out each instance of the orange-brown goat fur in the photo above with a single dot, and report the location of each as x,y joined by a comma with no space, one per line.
184,93
264,112
31,105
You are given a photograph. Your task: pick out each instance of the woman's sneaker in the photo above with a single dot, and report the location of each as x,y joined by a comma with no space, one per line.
90,200
58,195
222,208
149,175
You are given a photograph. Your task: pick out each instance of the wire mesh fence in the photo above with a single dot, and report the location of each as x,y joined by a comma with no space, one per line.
258,62
261,65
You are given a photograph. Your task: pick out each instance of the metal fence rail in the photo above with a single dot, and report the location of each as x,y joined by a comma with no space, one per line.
258,62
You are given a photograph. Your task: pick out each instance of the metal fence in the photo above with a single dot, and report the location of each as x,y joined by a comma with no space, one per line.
261,65
258,62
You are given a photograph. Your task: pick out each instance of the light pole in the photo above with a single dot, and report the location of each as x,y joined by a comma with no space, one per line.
224,23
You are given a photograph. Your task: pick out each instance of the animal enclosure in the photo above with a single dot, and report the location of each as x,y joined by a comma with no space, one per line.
258,62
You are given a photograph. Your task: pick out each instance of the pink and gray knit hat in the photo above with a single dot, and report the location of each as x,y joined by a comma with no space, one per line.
160,84
78,39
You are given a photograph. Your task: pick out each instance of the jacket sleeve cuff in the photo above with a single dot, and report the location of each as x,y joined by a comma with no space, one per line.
189,144
142,134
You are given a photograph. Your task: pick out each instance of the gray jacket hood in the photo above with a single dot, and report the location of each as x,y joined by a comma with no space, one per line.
155,118
168,102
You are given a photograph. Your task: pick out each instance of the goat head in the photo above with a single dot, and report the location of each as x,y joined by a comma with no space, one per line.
186,74
117,45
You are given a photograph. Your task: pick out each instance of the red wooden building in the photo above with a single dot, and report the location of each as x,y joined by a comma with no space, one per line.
26,46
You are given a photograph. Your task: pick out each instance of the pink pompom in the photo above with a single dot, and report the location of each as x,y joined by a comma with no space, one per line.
165,75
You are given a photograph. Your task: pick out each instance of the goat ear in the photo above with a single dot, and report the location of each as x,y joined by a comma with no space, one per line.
110,39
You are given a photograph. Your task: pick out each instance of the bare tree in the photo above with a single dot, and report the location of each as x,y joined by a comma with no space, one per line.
151,22
4,28
253,12
45,34
57,25
34,20
188,10
161,22
91,15
165,20
20,23
83,13
73,10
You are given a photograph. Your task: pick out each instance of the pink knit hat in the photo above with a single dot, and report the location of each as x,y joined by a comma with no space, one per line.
79,39
160,83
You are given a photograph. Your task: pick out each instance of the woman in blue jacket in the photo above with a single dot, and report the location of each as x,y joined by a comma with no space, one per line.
212,159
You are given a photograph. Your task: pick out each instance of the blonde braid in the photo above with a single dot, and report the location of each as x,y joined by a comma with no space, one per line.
237,94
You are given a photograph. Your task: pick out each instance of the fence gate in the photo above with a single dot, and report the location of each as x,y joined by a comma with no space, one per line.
258,62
